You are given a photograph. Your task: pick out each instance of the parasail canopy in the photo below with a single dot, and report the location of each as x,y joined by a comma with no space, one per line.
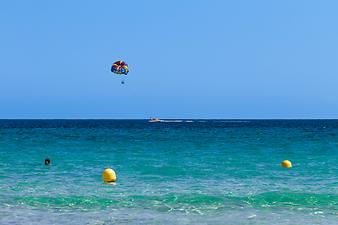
120,67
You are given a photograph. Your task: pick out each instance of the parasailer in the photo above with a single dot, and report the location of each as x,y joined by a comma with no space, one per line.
120,68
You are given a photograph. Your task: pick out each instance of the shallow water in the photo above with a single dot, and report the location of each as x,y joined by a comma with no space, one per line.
200,172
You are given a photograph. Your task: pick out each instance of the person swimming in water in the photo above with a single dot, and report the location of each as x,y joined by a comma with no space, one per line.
47,162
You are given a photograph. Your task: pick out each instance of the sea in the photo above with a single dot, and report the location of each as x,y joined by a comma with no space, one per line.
171,172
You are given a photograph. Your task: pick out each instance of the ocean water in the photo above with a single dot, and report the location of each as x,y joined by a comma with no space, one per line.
181,172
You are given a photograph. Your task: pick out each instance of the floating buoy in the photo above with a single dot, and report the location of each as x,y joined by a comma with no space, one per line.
286,164
109,175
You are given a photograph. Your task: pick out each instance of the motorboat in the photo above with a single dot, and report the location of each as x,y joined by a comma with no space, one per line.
154,120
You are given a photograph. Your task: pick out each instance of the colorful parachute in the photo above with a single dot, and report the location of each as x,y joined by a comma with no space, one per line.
120,67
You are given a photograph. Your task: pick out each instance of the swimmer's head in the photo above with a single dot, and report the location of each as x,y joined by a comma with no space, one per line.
47,162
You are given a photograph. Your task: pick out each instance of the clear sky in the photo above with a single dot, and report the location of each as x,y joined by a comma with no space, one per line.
187,59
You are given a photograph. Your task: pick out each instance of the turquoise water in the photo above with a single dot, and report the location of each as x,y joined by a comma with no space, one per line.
199,172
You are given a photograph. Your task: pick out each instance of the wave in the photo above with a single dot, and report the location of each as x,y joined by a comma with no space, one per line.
186,201
234,121
276,199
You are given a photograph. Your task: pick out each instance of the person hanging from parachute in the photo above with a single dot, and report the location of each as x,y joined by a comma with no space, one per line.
120,68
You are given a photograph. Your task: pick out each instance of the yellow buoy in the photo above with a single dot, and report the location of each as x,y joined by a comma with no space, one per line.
109,175
286,164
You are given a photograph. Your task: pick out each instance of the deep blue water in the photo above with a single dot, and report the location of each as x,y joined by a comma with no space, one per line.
188,172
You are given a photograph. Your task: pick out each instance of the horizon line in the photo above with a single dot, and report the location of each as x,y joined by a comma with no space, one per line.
169,118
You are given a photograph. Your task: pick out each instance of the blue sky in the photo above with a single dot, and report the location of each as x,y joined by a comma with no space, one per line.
188,59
